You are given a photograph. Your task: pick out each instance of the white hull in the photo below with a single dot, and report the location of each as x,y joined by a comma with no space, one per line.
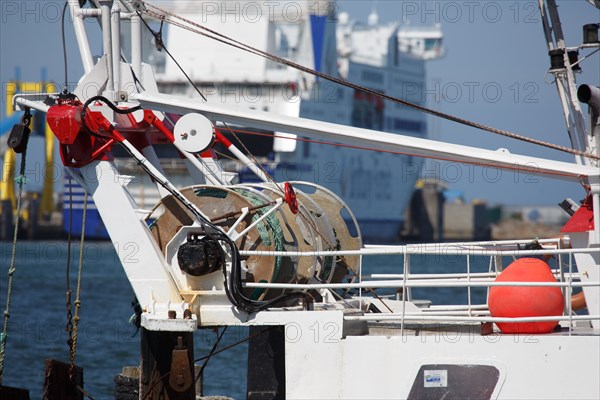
387,367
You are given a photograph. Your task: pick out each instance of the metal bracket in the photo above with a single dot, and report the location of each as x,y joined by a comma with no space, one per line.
170,317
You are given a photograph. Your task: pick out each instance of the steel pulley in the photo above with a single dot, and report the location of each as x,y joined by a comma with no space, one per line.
19,135
180,376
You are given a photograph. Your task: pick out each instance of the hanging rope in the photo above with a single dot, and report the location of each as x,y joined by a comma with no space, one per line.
11,269
68,306
78,293
162,15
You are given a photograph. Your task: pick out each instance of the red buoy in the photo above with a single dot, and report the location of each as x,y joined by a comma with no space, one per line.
526,301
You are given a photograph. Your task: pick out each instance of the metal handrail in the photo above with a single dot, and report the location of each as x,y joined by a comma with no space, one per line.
400,250
410,316
420,284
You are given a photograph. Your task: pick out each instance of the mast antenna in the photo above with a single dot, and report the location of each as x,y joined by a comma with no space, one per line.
373,17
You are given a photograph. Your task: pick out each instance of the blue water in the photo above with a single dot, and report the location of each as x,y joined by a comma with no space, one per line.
106,340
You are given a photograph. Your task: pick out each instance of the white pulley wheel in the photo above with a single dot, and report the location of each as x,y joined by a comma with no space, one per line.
193,133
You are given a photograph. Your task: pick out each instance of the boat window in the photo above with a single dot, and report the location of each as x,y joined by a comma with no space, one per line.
431,44
306,149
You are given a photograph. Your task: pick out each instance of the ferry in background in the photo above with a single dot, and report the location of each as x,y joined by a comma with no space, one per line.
389,58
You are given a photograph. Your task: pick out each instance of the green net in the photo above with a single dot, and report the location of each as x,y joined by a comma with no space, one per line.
270,223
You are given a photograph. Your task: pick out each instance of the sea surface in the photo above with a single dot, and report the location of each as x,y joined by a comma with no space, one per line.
106,340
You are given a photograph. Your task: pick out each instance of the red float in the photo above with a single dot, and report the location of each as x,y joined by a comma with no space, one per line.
526,301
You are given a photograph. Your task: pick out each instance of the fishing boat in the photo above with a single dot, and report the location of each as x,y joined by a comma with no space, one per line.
285,258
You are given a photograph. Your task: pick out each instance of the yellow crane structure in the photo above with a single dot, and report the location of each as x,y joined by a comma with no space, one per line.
44,201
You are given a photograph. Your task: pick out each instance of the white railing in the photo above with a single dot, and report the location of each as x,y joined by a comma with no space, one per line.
405,279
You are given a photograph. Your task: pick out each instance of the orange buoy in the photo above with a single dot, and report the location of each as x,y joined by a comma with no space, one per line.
526,301
578,301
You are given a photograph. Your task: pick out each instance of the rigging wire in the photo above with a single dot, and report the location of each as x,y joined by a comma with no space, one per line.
250,337
250,49
160,45
212,353
135,78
